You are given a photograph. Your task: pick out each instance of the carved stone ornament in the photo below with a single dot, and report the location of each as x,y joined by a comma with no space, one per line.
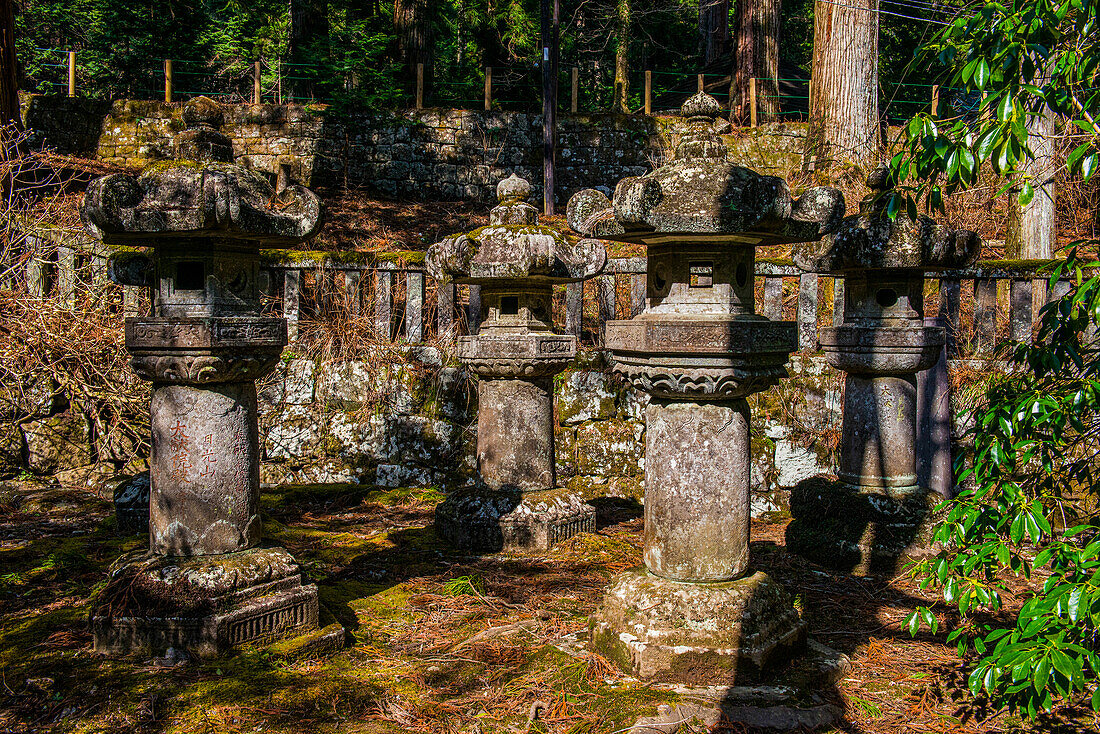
686,380
515,261
185,198
203,586
697,613
538,354
203,369
872,240
514,246
700,196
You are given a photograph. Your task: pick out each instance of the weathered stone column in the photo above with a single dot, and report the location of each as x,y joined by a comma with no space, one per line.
697,612
204,585
876,513
515,262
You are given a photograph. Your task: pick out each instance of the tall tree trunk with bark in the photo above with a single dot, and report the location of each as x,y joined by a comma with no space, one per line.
757,56
460,41
412,20
1031,228
844,121
714,29
307,37
622,56
9,71
550,22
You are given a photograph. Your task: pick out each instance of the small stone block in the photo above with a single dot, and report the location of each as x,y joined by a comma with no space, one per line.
311,645
131,499
861,533
205,605
487,520
662,630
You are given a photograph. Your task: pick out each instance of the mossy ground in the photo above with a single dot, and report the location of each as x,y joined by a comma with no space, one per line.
417,613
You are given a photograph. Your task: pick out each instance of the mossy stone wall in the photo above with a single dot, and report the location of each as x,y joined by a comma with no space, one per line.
431,153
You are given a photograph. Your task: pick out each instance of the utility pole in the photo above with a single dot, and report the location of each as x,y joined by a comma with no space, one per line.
550,15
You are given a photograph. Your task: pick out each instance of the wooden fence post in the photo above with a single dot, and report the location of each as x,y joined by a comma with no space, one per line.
257,89
752,102
574,309
292,282
414,306
488,88
701,86
576,86
72,73
444,309
473,310
637,293
66,276
1020,309
37,280
383,304
420,86
352,295
605,302
838,301
807,311
131,300
935,98
168,80
773,298
950,307
985,315
648,92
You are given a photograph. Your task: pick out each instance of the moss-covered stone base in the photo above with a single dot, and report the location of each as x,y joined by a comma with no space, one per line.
496,520
204,605
731,632
790,700
855,532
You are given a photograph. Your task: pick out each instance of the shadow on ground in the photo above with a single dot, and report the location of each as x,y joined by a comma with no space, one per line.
438,641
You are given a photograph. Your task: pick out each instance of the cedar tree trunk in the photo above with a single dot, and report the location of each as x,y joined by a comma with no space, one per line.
757,56
844,121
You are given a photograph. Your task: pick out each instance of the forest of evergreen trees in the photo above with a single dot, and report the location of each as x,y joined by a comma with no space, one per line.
364,52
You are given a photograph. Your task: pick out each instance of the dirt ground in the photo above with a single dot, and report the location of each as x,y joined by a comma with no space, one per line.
439,642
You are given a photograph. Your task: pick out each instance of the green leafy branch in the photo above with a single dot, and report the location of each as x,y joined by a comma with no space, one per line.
1027,510
1023,58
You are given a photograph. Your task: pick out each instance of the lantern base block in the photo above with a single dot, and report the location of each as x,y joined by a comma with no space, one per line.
204,605
731,632
510,520
864,531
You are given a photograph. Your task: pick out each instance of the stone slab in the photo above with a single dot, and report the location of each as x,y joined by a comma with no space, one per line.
662,630
205,606
862,533
489,520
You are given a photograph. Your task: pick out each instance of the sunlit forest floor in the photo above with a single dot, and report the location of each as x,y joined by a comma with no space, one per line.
438,642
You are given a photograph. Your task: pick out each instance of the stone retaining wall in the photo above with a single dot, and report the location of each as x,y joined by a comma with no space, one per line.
414,422
601,433
399,417
432,153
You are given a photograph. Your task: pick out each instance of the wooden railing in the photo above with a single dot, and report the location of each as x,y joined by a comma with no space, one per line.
999,300
981,305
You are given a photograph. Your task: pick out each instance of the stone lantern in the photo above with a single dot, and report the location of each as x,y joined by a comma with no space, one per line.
698,610
204,584
873,515
516,262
